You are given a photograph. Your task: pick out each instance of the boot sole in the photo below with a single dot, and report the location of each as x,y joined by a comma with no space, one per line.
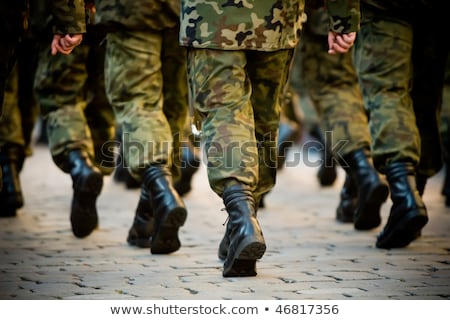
83,216
368,216
165,239
407,230
244,261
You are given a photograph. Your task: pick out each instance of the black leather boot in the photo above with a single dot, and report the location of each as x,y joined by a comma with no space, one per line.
408,214
372,191
11,197
169,210
246,241
190,164
349,199
140,233
87,184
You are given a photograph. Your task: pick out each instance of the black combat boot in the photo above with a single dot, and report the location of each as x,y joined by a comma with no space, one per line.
408,214
140,233
87,184
372,191
349,200
246,241
169,210
189,166
11,197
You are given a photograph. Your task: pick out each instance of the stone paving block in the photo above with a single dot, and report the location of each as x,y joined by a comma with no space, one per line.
309,255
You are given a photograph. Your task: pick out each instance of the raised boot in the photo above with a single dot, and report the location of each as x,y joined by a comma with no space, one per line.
11,197
408,214
190,164
246,241
169,210
87,184
140,233
348,201
372,191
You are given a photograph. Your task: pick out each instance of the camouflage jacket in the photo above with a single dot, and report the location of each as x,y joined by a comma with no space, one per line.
69,16
255,24
137,14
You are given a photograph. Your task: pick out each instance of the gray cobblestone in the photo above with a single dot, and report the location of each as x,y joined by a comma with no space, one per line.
309,255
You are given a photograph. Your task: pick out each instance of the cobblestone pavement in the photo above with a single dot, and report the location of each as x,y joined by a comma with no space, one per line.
309,254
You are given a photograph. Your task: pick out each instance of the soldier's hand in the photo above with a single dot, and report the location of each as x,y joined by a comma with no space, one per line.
65,44
340,43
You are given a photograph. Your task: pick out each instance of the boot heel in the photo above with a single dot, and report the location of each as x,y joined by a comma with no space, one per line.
368,216
165,239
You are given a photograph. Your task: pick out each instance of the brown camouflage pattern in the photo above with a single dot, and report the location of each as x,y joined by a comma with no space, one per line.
255,25
70,90
146,83
137,14
238,93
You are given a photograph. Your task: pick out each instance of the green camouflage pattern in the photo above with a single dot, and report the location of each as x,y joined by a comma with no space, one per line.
332,85
69,16
70,90
137,14
383,63
145,74
255,25
238,92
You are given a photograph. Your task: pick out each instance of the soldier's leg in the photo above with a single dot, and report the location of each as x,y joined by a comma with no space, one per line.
395,137
176,110
221,90
12,149
59,86
147,137
99,113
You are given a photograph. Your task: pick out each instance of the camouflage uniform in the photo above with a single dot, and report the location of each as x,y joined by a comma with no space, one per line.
242,113
71,93
392,52
69,18
332,85
142,44
145,73
239,59
20,111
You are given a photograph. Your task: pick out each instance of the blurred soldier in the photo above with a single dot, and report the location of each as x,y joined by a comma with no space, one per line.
19,118
385,57
237,70
332,84
145,71
80,122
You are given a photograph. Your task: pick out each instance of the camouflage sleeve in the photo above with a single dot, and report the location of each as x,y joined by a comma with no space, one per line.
344,15
69,16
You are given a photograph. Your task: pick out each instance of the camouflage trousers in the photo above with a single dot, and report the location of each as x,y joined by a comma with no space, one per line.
383,62
238,93
332,85
20,110
70,90
146,84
